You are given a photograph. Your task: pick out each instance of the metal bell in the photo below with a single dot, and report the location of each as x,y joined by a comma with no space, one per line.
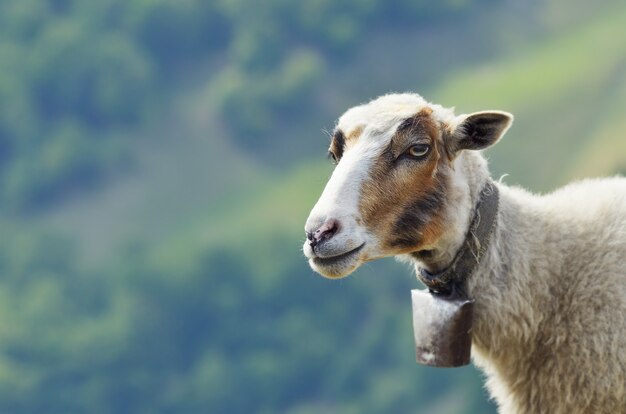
442,325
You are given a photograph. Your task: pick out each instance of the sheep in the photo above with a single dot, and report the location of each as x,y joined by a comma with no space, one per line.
549,327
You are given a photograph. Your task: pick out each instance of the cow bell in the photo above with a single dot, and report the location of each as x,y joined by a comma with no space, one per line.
442,325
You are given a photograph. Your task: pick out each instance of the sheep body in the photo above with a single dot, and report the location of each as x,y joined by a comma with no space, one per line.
550,291
550,317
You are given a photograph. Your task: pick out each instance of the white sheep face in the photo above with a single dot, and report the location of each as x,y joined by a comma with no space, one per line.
388,193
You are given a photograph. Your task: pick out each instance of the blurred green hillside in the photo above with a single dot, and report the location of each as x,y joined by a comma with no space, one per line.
158,161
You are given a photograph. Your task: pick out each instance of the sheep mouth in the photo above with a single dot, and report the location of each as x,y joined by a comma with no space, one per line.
339,259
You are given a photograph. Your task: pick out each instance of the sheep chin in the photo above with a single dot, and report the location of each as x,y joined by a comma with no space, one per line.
334,272
337,267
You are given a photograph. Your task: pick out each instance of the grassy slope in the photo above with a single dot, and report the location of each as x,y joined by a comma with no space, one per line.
606,152
565,95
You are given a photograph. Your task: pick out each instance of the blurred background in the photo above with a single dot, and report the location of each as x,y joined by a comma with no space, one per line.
158,160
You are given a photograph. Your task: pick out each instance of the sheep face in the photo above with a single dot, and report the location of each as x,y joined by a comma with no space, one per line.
388,194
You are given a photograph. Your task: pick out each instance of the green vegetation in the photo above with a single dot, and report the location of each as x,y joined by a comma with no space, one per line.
158,160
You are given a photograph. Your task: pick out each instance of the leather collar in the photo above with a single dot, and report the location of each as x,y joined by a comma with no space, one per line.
453,280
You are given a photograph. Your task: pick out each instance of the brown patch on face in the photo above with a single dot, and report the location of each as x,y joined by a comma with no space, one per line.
425,111
354,134
402,201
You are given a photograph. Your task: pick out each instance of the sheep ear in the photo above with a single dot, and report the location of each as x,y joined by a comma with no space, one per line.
480,130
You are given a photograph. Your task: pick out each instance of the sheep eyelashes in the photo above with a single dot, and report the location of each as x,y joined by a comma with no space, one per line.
549,292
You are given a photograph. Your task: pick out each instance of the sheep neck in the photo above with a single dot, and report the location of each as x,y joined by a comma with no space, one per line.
454,278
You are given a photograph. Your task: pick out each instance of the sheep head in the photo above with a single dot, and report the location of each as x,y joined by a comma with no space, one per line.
389,194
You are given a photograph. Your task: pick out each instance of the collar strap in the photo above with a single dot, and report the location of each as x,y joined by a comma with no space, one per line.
453,280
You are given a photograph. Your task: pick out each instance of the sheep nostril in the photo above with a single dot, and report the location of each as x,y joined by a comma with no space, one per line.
324,232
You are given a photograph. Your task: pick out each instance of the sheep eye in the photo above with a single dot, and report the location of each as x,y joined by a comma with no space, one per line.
418,150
